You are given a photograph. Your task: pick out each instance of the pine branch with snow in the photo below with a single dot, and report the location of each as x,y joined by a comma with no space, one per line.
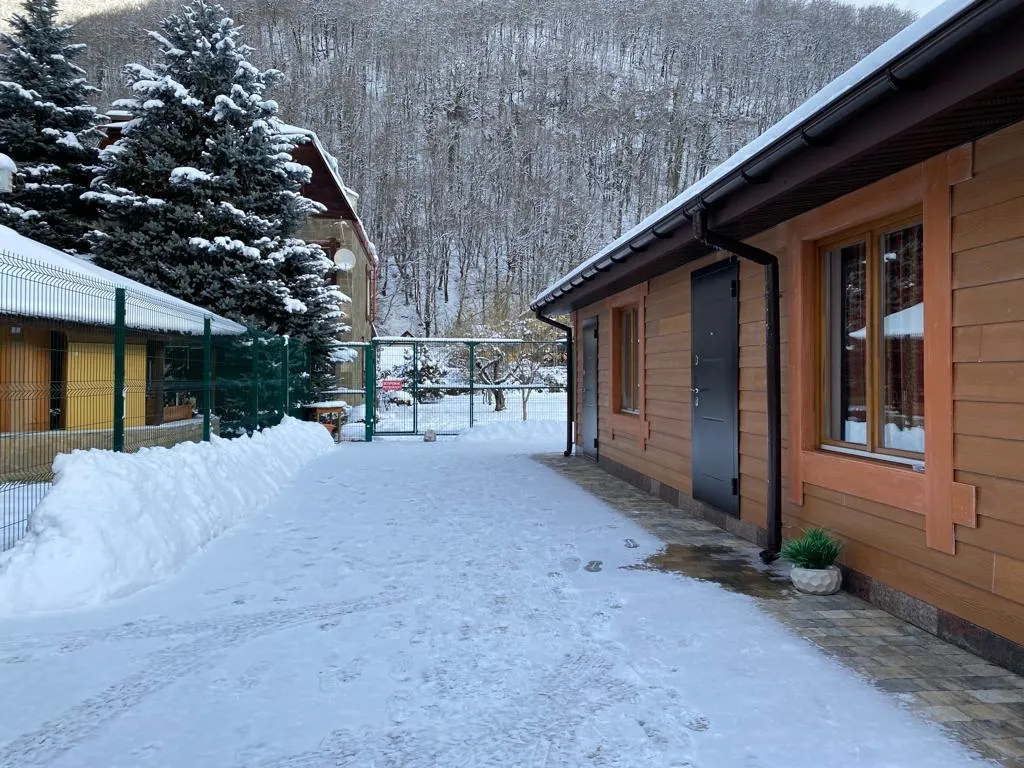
200,196
48,129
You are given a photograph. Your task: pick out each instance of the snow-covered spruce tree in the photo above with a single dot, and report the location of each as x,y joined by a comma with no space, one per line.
47,127
200,197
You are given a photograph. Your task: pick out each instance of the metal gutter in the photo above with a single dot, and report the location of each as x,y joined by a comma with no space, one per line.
570,383
773,354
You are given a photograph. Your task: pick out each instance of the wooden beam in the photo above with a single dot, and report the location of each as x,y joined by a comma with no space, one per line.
938,354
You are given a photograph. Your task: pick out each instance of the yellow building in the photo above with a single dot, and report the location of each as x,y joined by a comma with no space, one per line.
57,389
339,231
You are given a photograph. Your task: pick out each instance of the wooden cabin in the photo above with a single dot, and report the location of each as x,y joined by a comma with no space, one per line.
883,221
340,232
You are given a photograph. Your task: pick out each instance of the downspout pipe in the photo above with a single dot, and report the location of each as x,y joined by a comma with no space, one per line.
773,351
570,388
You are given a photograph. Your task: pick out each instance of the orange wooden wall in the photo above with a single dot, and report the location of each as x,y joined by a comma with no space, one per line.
984,580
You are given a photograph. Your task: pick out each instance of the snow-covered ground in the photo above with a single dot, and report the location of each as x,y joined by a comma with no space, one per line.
436,605
450,414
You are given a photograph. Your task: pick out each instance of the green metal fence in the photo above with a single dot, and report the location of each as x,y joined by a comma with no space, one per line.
89,360
407,386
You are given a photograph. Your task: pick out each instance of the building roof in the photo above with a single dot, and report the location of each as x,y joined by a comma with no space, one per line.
37,281
324,166
333,173
905,67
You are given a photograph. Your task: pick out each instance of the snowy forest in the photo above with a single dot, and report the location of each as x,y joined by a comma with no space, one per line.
494,144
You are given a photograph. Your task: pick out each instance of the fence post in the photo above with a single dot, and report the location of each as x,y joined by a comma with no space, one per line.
120,393
254,395
369,389
472,369
415,386
287,380
207,377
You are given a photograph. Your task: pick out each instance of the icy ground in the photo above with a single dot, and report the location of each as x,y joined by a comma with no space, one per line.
446,604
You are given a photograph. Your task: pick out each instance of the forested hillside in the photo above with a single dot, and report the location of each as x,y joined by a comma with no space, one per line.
496,142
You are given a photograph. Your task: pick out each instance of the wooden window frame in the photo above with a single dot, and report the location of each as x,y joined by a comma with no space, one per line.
870,234
621,351
933,493
631,424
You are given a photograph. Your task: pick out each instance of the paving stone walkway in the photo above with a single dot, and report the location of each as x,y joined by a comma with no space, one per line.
979,703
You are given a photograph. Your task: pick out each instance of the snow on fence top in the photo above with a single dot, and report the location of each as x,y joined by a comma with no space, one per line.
874,62
37,281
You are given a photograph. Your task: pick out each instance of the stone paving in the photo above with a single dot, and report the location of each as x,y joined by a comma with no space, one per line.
979,703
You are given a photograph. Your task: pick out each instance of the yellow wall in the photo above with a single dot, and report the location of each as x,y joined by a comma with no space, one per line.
90,376
24,378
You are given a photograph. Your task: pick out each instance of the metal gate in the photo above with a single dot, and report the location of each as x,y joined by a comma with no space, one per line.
407,386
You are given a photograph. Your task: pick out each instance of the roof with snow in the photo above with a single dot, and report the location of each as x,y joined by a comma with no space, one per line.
340,202
952,76
346,194
37,281
907,322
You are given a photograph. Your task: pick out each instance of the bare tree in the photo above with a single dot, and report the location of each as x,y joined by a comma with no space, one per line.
496,143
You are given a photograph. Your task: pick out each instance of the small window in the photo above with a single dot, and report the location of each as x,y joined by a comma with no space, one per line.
628,327
873,366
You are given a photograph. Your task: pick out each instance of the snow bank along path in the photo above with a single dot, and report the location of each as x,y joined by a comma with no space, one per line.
429,605
116,522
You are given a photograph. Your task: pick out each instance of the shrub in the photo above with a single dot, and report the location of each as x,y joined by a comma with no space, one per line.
815,549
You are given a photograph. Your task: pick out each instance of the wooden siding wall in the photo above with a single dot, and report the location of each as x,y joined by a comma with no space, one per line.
983,581
988,357
666,455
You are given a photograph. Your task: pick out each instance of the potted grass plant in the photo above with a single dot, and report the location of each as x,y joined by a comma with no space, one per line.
814,556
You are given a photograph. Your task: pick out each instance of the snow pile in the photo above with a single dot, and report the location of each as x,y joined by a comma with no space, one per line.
114,523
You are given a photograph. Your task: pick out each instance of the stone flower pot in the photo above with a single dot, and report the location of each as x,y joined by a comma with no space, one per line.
817,582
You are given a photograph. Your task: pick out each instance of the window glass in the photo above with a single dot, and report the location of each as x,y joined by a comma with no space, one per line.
873,346
629,348
847,343
902,355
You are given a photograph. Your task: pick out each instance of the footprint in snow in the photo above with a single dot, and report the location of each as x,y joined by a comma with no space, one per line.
696,722
594,566
570,564
631,544
399,707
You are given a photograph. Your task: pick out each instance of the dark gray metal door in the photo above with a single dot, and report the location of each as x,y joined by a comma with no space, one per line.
588,391
715,385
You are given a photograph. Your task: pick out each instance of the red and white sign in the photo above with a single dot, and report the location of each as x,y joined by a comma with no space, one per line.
391,385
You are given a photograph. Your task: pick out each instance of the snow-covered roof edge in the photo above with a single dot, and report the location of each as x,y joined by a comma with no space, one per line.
873,63
48,277
332,166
